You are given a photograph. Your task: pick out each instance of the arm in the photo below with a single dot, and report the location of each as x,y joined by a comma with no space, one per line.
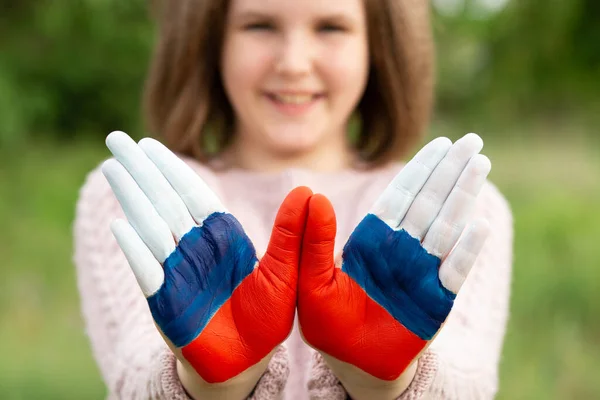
133,359
462,362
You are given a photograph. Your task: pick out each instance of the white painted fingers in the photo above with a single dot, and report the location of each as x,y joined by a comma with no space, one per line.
147,270
432,197
140,212
397,198
200,200
453,217
454,270
152,182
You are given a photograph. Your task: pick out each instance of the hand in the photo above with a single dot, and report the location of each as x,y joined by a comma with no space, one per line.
398,279
220,309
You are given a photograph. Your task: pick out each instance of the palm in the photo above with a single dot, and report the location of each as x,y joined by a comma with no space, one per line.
209,307
392,293
215,303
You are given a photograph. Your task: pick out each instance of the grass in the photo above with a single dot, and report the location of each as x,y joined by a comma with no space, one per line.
552,347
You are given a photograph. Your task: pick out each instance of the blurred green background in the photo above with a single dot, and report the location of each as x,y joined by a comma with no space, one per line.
523,74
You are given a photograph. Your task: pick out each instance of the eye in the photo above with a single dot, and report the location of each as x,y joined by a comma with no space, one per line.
259,26
331,28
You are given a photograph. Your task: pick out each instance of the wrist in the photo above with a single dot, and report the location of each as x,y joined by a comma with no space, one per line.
363,386
238,387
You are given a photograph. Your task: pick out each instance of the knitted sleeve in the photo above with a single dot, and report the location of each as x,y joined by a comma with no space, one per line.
133,359
462,362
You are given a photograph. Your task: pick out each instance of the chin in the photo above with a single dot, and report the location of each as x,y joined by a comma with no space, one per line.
293,145
292,150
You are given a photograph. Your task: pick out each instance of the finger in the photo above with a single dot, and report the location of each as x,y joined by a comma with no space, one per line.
152,182
140,213
456,267
148,272
317,267
283,252
393,203
452,219
430,199
200,200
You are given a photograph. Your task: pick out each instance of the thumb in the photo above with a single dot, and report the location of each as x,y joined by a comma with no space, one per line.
317,265
283,251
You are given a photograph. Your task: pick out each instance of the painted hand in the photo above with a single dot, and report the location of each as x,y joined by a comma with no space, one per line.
398,277
220,308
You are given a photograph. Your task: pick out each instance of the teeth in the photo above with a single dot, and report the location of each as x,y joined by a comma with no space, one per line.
294,99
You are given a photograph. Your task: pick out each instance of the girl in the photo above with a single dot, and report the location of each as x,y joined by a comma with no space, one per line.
256,96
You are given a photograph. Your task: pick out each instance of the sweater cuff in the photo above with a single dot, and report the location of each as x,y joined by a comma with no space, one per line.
169,385
427,367
271,384
324,385
269,387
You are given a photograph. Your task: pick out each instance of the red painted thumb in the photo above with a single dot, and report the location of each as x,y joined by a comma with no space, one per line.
316,263
283,252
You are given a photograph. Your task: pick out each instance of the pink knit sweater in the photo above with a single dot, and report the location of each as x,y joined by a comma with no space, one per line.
462,362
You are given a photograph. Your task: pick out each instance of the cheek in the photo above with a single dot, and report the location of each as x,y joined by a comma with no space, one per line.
244,64
347,70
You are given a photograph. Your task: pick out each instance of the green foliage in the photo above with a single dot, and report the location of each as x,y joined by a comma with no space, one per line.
45,354
77,67
552,349
72,66
532,58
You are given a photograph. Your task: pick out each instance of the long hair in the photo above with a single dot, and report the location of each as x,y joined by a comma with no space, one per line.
185,102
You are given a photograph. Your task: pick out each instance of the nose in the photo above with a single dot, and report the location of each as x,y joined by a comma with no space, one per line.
295,56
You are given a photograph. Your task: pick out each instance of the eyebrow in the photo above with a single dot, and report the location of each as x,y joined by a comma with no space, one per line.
343,18
251,14
246,15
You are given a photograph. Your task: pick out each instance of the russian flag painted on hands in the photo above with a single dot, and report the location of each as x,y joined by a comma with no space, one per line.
384,305
223,310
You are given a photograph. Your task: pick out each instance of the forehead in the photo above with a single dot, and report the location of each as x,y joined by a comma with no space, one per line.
298,8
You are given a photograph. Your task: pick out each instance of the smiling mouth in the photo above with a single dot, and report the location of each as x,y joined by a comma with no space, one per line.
294,99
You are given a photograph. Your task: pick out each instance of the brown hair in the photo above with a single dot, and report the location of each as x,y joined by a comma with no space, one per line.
185,102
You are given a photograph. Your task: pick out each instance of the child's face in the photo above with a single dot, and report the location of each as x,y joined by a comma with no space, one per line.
294,70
